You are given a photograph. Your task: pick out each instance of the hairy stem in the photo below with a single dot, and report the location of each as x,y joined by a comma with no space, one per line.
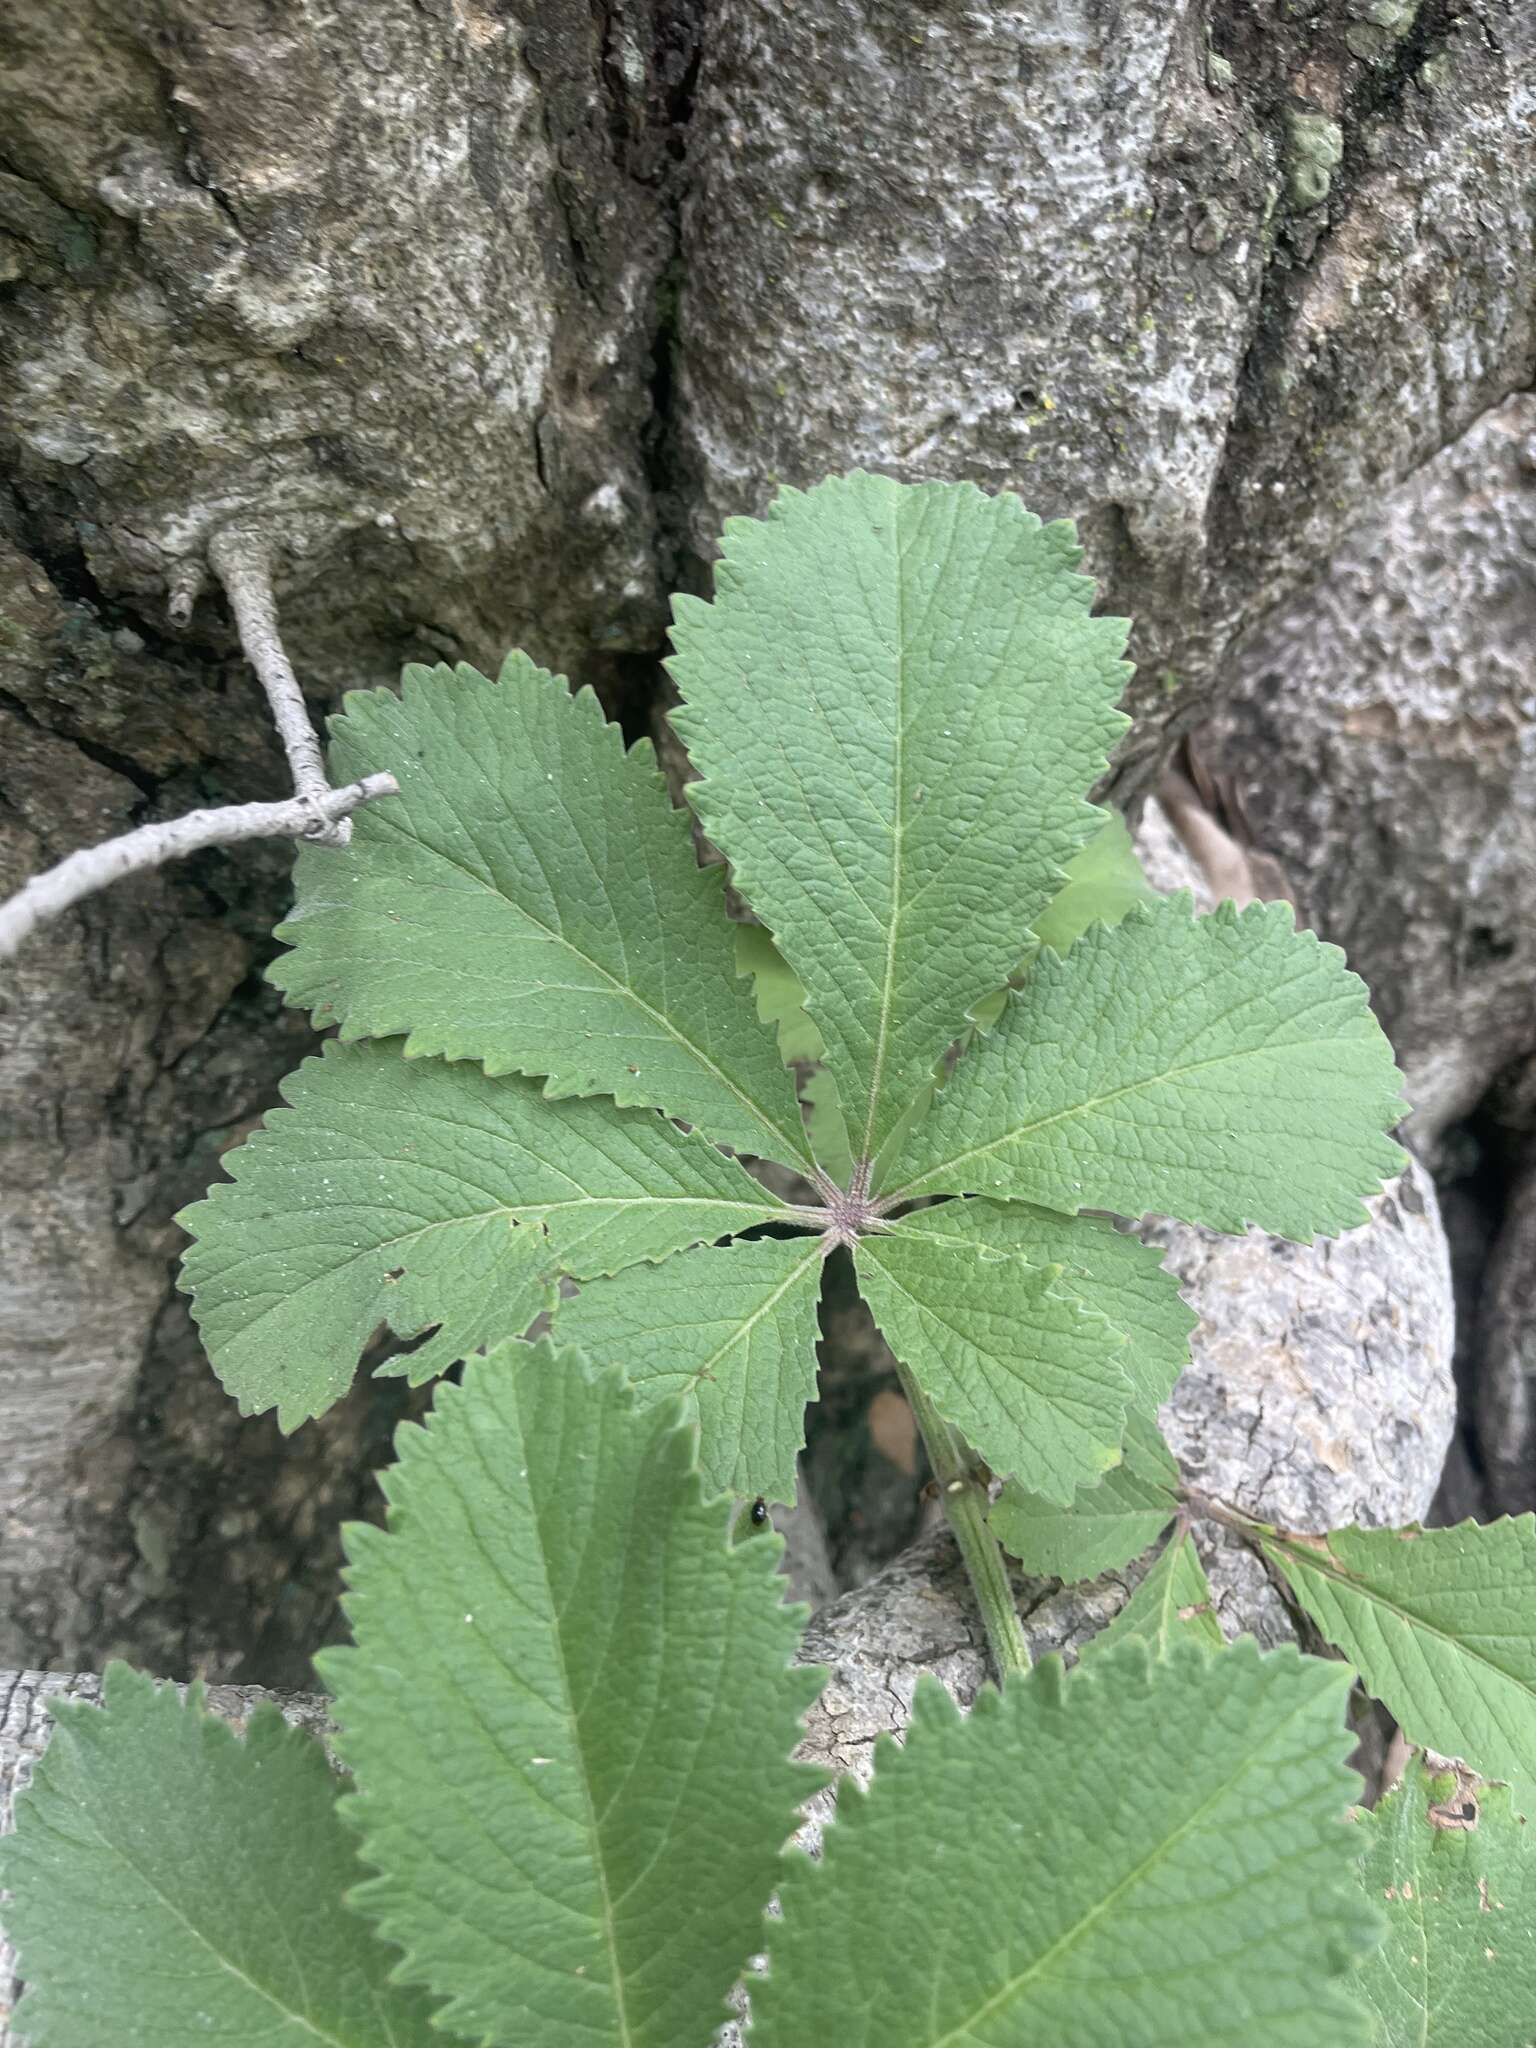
966,1503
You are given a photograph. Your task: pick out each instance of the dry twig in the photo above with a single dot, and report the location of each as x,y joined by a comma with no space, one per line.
315,811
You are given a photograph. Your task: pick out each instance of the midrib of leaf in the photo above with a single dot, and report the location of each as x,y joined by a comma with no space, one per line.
594,1834
1340,1575
898,836
759,1115
519,1217
1421,1957
744,1329
958,2036
230,1968
1167,1606
1028,1130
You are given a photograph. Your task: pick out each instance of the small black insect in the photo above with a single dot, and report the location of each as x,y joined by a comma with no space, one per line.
750,1520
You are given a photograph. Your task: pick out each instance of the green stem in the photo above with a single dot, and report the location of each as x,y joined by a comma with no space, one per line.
966,1503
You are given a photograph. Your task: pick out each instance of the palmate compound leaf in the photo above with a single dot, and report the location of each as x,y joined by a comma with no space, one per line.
175,1884
1148,1853
416,1193
1172,1604
733,1331
1109,1523
1225,1070
1457,1966
569,1710
1441,1626
531,900
1008,1354
896,703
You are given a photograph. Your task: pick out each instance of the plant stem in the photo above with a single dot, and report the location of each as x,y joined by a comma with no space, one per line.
150,846
965,1503
242,561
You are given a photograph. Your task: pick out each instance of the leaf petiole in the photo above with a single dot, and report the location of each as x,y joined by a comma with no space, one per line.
965,1505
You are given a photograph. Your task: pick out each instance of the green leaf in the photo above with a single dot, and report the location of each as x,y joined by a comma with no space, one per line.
780,1002
176,1885
1104,881
780,998
1172,1604
1441,1625
732,1330
1113,1521
1030,1376
896,703
573,1770
1147,1853
531,900
1458,1966
825,1125
1225,1070
1112,1271
1106,1525
415,1194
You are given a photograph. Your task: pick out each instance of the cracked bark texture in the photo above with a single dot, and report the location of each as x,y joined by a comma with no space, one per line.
489,311
1377,734
376,281
1208,278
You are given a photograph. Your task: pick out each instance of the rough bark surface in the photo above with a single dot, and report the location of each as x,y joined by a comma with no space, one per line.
373,278
376,280
1208,278
1378,735
1503,1390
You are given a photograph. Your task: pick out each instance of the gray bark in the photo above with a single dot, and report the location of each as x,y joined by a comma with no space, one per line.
372,280
487,317
1377,735
1207,278
375,282
1504,1387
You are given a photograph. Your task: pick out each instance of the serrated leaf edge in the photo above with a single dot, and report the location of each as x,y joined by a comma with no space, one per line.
422,1041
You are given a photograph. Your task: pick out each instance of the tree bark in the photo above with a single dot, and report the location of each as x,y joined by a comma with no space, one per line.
1377,735
375,283
1209,278
485,315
